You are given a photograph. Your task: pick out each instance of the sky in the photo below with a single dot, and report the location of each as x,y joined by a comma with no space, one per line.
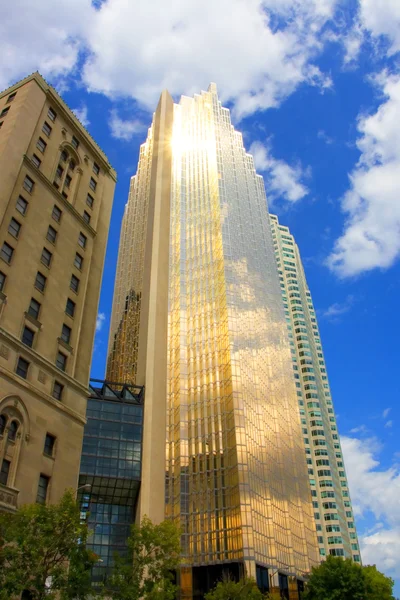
314,86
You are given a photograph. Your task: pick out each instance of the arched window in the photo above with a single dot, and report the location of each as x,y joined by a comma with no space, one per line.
3,422
12,432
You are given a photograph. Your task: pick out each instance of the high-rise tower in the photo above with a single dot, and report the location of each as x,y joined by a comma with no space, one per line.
331,500
56,192
198,319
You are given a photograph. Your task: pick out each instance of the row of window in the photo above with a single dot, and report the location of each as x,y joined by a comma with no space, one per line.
22,370
43,484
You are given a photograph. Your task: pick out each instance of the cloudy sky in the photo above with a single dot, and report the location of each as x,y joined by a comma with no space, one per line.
314,85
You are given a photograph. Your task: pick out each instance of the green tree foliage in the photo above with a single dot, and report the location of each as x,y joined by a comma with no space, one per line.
42,545
145,573
228,589
338,579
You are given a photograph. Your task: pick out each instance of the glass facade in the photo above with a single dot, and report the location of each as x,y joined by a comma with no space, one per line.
327,476
236,477
111,466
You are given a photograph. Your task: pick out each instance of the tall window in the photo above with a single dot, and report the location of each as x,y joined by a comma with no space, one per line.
40,282
52,114
56,214
3,280
5,469
13,430
61,361
7,252
42,489
49,444
14,228
46,257
41,145
3,423
28,184
82,239
51,234
22,367
34,308
66,333
57,390
70,307
74,284
28,336
78,262
21,205
46,129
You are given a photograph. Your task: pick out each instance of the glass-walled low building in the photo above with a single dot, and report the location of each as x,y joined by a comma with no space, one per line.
110,471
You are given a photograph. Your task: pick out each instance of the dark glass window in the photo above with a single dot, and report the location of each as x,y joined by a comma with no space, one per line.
74,285
64,155
68,180
96,169
46,129
11,97
82,240
42,489
7,252
52,114
61,361
40,282
92,184
2,281
41,145
28,184
36,161
49,444
4,112
3,423
14,228
34,308
46,257
86,216
78,262
22,367
89,200
66,333
21,205
60,171
51,234
57,390
70,307
13,430
75,142
5,469
28,336
56,214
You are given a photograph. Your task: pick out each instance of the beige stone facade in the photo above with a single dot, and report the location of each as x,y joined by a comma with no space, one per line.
56,192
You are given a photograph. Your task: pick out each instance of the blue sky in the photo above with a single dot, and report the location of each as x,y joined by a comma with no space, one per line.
315,88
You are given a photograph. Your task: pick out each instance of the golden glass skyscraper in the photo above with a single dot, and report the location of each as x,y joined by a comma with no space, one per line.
329,488
198,319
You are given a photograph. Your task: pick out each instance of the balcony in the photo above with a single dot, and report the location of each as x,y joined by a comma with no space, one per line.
8,498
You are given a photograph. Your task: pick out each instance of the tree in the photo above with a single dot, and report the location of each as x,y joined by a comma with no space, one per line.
146,570
379,587
228,589
338,579
42,549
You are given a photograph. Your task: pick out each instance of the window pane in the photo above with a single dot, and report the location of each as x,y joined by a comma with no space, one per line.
5,469
61,361
78,262
46,128
92,184
28,337
75,142
51,234
7,252
52,114
86,216
96,169
46,257
2,280
40,282
28,184
66,333
42,489
14,227
49,444
41,144
82,240
22,367
57,390
34,308
89,200
70,308
22,205
36,161
74,285
56,214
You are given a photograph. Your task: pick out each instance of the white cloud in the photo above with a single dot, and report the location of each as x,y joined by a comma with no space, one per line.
124,129
82,115
352,43
322,135
389,424
41,36
135,49
338,308
101,317
382,18
375,490
281,179
386,412
371,234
